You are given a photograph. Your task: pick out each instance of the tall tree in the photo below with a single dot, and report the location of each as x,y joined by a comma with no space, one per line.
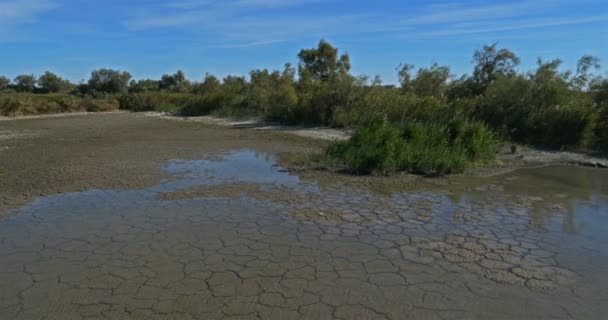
4,82
51,82
175,83
210,84
404,73
145,85
582,78
550,86
25,83
323,63
492,63
599,89
431,81
109,81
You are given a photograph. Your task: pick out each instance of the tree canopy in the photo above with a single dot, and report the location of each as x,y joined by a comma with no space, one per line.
51,82
25,83
492,63
323,63
109,81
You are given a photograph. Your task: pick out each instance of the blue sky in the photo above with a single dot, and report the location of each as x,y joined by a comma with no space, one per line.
152,37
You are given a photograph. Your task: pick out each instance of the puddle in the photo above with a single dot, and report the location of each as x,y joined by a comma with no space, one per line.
237,236
243,166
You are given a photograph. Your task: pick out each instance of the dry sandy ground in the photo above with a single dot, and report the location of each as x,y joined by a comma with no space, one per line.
51,155
322,133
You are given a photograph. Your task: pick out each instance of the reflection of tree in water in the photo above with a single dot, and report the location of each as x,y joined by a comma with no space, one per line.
266,157
567,212
556,197
547,198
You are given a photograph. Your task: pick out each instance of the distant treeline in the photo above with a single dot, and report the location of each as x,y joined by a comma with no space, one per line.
544,107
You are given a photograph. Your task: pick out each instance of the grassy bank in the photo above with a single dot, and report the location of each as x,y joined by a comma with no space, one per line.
419,147
17,104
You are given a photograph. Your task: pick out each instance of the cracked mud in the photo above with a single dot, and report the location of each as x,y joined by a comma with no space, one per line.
237,237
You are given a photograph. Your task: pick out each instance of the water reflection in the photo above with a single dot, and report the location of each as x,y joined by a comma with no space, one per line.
238,236
244,166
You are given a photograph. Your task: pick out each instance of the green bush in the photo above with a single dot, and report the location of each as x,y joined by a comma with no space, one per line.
32,104
283,105
375,147
538,113
444,148
561,128
178,103
601,129
417,147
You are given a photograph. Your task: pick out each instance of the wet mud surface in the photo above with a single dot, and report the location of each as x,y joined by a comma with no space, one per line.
223,232
47,156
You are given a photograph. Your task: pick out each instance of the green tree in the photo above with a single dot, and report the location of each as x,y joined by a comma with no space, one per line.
25,83
431,82
262,83
234,85
211,84
404,73
492,63
550,86
4,82
582,78
109,81
599,90
51,82
289,73
323,63
176,82
145,85
273,93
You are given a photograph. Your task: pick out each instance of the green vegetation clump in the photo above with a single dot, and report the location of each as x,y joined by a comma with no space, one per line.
15,104
545,107
377,146
418,147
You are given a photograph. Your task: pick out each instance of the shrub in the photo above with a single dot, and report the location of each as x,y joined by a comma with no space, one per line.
444,148
561,128
601,129
283,104
417,147
29,104
200,105
375,147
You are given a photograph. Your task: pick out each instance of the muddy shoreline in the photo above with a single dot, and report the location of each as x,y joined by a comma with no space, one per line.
47,155
525,157
52,154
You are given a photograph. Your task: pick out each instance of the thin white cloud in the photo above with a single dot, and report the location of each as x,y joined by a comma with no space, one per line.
272,3
189,4
244,23
517,25
457,12
192,4
206,12
245,45
23,11
143,22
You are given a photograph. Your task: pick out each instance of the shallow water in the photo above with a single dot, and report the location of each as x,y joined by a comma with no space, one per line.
238,237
